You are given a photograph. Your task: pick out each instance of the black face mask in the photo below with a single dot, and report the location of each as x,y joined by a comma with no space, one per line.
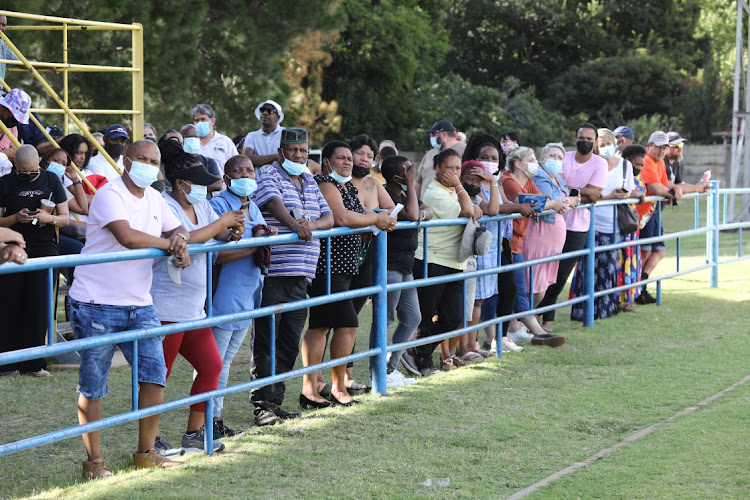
114,150
584,147
359,172
472,190
151,139
10,122
27,176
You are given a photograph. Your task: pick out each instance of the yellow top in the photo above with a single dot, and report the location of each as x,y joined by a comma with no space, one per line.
443,241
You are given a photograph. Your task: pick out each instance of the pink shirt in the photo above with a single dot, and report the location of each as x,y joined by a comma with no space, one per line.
579,175
5,141
125,283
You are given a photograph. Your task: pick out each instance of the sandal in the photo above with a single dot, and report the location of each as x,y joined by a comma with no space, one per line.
458,362
448,365
357,389
472,356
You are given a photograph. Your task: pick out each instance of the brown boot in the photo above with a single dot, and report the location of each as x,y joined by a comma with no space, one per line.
153,459
94,469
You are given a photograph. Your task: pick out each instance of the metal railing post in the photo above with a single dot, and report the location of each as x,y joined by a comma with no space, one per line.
51,313
379,312
134,376
208,427
66,123
712,237
659,207
589,271
138,118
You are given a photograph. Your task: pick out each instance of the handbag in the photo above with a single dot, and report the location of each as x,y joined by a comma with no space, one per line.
627,217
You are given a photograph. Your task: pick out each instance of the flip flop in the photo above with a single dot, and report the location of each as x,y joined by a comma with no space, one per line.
325,392
357,389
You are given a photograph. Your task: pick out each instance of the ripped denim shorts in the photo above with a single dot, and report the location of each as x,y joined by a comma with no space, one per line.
96,320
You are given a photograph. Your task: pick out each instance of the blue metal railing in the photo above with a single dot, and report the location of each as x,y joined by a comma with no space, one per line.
379,288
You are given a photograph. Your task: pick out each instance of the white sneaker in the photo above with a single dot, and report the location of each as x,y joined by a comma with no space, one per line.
392,380
493,349
404,380
510,346
520,336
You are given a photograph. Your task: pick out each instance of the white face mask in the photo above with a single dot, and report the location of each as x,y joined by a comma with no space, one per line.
532,168
490,167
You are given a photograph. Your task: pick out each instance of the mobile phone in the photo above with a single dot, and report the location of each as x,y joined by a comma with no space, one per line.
574,192
245,205
32,214
297,213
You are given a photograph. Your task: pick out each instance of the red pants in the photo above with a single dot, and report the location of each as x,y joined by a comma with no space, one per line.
199,348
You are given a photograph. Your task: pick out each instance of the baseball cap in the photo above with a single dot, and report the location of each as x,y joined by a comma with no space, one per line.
442,125
624,131
294,135
18,102
658,138
675,138
272,103
55,132
115,131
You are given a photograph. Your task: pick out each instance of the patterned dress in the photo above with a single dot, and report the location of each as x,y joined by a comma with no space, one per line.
629,268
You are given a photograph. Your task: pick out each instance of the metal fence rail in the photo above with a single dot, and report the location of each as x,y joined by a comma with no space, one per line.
380,289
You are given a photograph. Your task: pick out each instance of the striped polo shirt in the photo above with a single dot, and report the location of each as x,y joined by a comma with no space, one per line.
299,258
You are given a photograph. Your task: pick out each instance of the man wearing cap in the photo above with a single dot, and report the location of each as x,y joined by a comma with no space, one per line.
115,138
14,110
442,136
213,144
290,201
125,214
624,137
191,144
654,175
673,161
262,145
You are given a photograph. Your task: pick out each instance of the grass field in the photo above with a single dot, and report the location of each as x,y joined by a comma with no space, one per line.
492,428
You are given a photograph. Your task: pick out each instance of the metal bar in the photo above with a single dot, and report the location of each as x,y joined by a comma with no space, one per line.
72,67
54,19
678,254
137,78
739,242
209,285
651,280
658,231
463,304
734,259
134,376
379,313
696,209
59,28
328,266
724,206
66,122
714,236
424,253
208,426
9,135
50,307
273,344
84,111
589,271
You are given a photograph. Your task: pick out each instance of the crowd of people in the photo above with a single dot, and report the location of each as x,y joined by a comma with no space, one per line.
193,185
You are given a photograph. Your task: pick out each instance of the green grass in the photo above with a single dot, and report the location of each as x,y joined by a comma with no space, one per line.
493,428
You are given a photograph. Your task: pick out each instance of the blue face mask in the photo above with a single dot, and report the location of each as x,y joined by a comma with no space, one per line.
433,142
552,166
204,128
197,194
56,169
243,186
142,174
404,187
192,145
340,179
607,151
293,168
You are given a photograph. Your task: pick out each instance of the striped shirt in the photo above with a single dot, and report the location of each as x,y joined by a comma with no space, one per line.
6,53
299,258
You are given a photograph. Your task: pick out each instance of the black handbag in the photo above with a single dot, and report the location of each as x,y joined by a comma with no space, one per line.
627,217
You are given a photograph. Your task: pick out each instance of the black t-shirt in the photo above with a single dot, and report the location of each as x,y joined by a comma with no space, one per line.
402,243
674,171
15,195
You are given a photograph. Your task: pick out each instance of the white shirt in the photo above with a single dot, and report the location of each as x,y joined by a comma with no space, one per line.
99,165
220,148
605,216
262,143
123,283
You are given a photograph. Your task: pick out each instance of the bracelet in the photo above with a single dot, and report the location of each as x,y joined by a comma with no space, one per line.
75,183
54,220
229,238
183,237
462,191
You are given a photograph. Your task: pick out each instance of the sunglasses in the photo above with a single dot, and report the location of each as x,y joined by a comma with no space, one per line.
268,110
677,146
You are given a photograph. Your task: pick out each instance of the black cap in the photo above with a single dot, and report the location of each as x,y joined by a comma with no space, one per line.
294,135
442,126
181,165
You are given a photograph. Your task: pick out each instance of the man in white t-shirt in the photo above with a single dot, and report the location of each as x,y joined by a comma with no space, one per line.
115,297
442,136
114,143
262,145
213,144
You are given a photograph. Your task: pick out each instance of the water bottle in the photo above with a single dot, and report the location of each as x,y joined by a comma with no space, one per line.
706,176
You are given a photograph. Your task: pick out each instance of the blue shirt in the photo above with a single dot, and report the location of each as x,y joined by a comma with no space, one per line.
544,183
240,282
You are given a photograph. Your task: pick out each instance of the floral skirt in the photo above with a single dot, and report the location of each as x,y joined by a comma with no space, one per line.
605,277
629,269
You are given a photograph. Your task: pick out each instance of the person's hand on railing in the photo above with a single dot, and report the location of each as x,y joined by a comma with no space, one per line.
703,187
526,209
477,213
178,248
7,235
12,253
641,195
303,230
677,192
385,222
620,194
573,201
561,206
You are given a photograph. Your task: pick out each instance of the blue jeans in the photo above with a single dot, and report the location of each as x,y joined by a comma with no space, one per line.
228,342
522,299
406,304
96,320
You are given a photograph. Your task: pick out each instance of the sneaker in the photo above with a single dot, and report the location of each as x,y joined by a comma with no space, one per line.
193,442
222,431
392,380
165,449
397,375
407,359
40,373
548,340
493,347
94,469
520,336
265,417
152,459
510,346
645,298
286,415
428,370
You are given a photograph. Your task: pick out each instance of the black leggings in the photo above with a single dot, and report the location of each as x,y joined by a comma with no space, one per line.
574,240
506,287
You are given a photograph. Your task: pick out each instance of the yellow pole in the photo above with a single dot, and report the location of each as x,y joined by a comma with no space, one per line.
138,119
59,101
6,131
66,123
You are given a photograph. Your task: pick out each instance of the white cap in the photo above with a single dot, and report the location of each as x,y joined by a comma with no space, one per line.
272,103
659,138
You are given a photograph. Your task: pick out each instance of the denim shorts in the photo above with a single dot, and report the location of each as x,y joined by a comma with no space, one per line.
650,230
96,320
